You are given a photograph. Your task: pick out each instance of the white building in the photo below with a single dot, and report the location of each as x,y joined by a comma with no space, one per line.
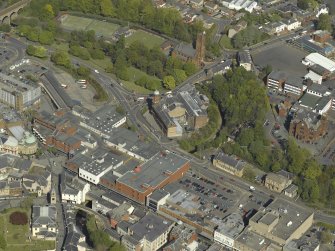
318,59
43,222
322,10
75,192
294,86
247,5
99,166
292,24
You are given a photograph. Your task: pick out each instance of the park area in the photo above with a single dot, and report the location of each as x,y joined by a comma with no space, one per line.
101,28
16,236
146,38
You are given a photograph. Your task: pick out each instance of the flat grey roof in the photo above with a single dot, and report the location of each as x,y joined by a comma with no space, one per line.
154,171
232,225
278,75
151,227
253,240
309,100
104,118
290,217
158,194
100,162
130,141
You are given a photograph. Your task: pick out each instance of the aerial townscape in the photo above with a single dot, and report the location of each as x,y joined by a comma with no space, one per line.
167,125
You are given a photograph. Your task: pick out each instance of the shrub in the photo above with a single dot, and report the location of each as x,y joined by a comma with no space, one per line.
18,218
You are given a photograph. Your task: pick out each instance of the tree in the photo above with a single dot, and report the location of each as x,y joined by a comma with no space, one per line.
48,12
325,23
83,71
18,218
190,68
179,75
313,170
249,174
120,67
169,82
326,237
26,203
80,52
46,37
106,8
3,242
24,30
36,51
33,34
303,4
109,67
61,58
5,27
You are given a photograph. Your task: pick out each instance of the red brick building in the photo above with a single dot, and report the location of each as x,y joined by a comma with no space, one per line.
163,169
56,131
308,127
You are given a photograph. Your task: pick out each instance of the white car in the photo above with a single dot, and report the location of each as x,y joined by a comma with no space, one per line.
251,188
96,71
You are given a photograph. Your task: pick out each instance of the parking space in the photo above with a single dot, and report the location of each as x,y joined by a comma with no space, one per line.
76,92
30,68
281,57
6,54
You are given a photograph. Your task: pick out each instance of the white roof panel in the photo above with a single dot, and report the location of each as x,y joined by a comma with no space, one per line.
316,58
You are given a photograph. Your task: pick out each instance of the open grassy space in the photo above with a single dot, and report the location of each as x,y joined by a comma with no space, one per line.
17,236
148,39
82,23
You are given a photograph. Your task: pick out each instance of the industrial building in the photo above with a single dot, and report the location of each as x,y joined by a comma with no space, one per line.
318,59
164,168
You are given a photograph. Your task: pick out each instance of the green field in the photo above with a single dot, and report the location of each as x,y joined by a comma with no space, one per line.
148,39
17,236
82,23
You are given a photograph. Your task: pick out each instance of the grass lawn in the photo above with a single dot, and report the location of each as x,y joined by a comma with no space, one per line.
75,23
17,236
148,39
102,28
82,23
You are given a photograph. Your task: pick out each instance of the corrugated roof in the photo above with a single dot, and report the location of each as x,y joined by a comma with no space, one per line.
317,58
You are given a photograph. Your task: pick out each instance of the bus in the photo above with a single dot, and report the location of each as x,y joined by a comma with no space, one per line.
82,81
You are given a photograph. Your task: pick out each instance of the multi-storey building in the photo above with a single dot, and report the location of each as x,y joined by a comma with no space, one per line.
18,94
